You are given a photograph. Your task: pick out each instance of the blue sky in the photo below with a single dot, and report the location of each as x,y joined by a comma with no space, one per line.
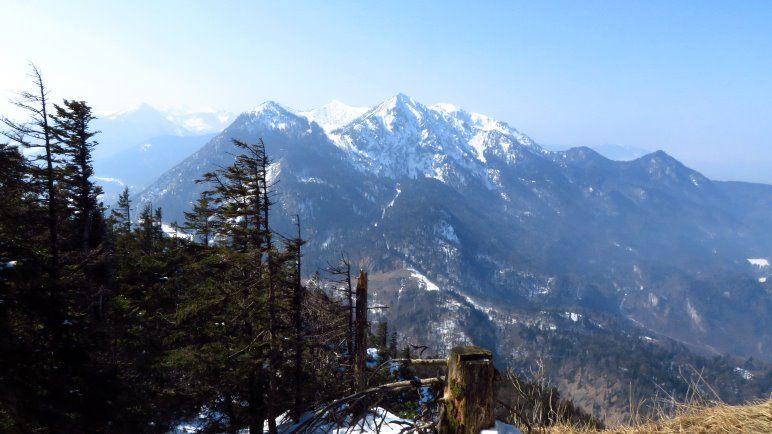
691,77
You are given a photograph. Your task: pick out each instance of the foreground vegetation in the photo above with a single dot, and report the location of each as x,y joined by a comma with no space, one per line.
110,321
720,418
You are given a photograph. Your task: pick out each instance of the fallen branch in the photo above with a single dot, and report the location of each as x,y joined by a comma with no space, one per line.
423,362
384,388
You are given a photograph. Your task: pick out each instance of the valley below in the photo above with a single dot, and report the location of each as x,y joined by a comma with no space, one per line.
619,277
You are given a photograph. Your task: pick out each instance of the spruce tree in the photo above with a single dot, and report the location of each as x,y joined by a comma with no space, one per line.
200,221
158,231
121,214
147,228
240,297
74,139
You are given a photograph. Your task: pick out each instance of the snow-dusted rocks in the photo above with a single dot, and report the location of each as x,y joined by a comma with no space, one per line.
403,138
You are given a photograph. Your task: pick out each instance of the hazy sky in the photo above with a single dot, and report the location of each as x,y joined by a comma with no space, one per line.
692,78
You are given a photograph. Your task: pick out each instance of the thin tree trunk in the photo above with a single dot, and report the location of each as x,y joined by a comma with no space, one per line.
256,405
52,214
272,325
351,310
85,189
360,353
297,305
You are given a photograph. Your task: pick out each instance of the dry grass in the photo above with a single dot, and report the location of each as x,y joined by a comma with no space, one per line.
719,418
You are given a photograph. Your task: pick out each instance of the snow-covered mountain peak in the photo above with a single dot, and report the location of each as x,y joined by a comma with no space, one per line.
271,115
474,122
399,112
446,107
269,108
333,115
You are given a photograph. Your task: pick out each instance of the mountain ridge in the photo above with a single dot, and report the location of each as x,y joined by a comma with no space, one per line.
513,236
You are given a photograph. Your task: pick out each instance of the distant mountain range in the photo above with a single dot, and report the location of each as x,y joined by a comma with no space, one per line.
137,145
611,151
474,233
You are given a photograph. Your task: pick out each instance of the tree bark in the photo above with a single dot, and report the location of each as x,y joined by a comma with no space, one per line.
256,404
468,392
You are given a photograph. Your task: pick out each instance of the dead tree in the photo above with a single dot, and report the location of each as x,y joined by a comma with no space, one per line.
360,350
36,133
341,275
297,319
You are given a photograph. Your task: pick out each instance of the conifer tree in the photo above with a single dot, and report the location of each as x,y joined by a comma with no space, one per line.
294,246
201,219
121,214
74,136
393,345
236,196
36,133
158,231
381,335
147,228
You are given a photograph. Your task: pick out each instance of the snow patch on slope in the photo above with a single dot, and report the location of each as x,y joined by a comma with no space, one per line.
694,315
423,280
403,138
333,115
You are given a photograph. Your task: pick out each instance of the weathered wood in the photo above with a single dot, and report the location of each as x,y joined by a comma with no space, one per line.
422,362
323,412
468,392
360,344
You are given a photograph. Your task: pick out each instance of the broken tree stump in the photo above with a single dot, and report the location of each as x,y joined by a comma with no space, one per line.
468,392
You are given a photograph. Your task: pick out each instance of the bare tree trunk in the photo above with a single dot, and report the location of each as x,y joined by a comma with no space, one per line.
52,215
350,296
256,404
297,305
360,353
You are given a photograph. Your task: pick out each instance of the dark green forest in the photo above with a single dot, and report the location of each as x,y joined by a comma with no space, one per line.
109,324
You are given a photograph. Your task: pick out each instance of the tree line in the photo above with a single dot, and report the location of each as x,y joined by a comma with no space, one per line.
112,322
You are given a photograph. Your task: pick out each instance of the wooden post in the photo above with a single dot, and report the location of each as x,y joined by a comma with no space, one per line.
360,323
468,392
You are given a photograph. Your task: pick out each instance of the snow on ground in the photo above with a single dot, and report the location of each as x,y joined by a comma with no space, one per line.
391,204
573,316
759,262
378,421
373,358
333,115
501,428
175,233
744,373
423,280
